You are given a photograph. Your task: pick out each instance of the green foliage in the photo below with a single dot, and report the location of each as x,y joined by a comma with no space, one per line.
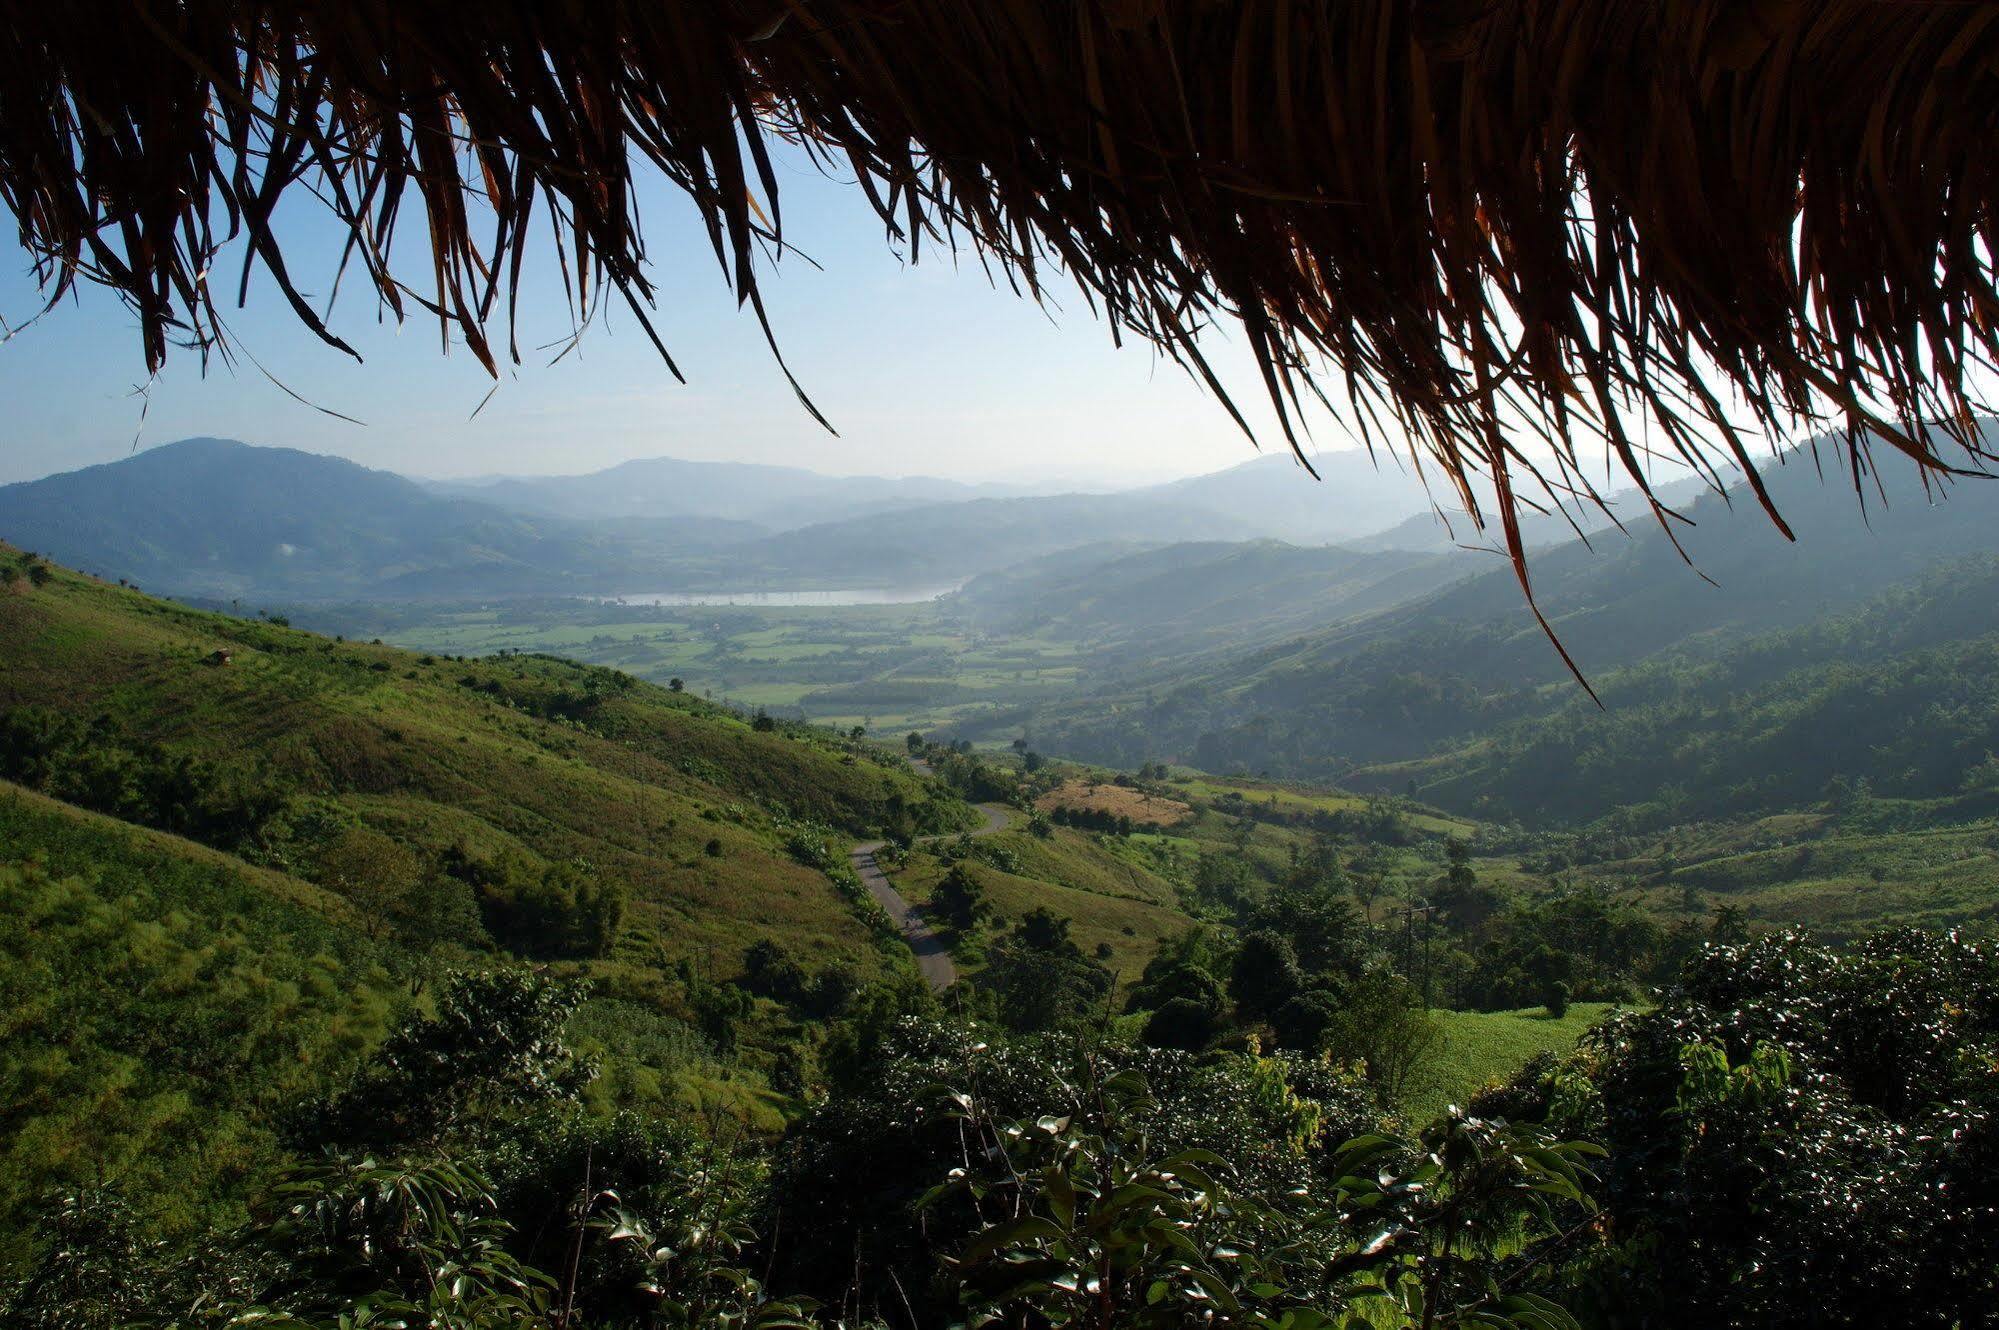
561,909
1264,975
1035,978
1089,1221
494,1049
959,899
855,1170
97,765
160,1012
1799,1137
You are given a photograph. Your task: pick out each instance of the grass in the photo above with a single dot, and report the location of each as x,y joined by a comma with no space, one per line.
1476,1049
1110,902
1288,797
545,758
163,1003
1117,800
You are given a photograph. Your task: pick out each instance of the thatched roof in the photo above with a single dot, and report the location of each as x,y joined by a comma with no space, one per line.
1604,221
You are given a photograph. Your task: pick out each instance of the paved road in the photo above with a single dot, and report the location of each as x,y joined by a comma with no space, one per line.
931,956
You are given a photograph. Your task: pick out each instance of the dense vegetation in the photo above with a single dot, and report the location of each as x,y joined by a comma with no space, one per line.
351,986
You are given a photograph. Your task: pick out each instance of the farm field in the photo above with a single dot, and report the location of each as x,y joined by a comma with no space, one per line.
885,667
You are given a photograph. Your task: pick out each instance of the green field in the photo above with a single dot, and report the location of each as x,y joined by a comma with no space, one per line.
1476,1049
888,667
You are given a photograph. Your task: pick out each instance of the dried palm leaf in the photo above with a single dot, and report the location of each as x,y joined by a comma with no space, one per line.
1606,225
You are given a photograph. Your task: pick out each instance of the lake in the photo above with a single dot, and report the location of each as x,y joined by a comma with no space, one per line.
790,599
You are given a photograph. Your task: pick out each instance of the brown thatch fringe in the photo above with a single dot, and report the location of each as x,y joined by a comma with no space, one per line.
1610,223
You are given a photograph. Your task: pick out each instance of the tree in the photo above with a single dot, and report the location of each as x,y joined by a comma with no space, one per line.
1468,903
1181,1023
1302,1023
675,684
770,971
494,1049
1264,975
1366,890
1044,930
913,742
1381,1025
1032,761
1458,873
960,899
375,874
1040,980
1326,932
1555,997
762,722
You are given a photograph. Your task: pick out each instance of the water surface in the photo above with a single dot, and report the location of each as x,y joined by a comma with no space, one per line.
790,599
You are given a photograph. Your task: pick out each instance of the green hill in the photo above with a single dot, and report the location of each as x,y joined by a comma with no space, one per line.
217,518
680,806
1445,670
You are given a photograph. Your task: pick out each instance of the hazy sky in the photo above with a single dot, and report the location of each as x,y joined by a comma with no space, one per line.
923,369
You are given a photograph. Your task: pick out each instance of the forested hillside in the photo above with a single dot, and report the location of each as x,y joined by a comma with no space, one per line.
1127,607
337,966
1899,697
1454,668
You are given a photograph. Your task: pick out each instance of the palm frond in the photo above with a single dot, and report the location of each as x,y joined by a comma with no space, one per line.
1623,228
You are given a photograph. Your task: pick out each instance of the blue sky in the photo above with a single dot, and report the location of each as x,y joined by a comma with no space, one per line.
923,369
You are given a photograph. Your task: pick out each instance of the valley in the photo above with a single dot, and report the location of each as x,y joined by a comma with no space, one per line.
852,665
1326,808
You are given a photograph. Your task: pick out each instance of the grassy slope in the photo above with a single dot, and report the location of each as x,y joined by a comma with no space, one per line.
409,747
1107,898
1479,1048
163,1004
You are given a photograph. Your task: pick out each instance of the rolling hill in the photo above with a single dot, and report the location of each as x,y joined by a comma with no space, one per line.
1443,670
527,758
217,518
770,498
222,520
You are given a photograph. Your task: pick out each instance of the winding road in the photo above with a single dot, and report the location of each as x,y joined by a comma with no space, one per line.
932,958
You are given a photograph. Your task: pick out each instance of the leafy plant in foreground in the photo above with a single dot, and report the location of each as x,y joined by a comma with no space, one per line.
1089,1224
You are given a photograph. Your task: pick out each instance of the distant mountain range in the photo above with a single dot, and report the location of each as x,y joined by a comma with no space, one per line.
216,518
1444,667
1129,605
776,498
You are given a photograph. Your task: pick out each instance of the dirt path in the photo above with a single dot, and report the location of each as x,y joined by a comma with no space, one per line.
932,958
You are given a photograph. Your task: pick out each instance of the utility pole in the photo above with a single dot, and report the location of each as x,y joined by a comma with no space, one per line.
1409,914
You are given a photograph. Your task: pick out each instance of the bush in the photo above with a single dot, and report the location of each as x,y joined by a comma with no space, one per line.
1800,1136
558,910
1184,1023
